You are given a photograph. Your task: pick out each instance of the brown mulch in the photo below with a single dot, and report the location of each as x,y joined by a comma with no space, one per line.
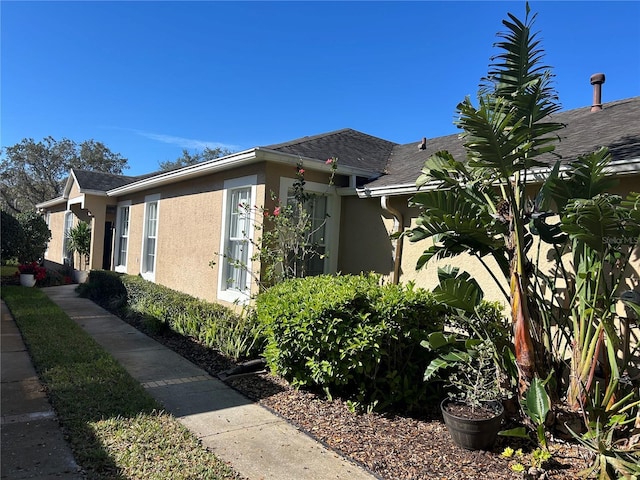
392,447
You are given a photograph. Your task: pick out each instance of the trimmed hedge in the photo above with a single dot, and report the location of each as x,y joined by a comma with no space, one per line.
352,337
214,325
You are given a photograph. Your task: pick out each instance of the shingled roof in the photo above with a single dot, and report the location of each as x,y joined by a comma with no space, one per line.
352,148
616,126
100,181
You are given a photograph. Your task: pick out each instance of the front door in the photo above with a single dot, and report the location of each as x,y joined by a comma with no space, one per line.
108,242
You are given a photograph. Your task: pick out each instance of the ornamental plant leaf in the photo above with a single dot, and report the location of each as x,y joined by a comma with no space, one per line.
537,402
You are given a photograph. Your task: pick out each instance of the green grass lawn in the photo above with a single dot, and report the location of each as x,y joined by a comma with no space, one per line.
116,429
8,270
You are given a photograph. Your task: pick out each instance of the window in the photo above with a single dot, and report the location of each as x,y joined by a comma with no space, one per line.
67,257
323,207
47,219
316,208
235,265
149,241
122,236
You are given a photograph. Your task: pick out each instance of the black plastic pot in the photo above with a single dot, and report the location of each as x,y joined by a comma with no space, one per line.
473,434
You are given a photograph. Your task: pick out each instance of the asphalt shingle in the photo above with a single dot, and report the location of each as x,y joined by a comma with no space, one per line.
616,126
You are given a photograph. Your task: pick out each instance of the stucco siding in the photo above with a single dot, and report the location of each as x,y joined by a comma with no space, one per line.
189,232
56,226
365,245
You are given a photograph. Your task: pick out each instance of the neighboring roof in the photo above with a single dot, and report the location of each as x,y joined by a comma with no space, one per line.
100,181
616,126
352,148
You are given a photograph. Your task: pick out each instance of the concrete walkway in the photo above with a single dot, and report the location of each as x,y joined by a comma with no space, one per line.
257,443
32,442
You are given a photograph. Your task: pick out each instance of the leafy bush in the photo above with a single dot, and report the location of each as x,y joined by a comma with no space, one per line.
12,237
235,335
36,236
351,336
105,288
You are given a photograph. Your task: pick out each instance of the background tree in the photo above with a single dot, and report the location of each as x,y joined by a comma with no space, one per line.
36,234
32,172
188,158
12,237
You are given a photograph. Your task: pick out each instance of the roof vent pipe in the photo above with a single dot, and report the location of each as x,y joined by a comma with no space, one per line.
423,144
597,79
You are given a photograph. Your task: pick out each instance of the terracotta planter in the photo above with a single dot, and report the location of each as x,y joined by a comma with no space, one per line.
27,279
470,433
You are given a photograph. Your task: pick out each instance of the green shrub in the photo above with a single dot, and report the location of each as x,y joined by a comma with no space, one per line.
216,326
36,237
105,288
351,337
12,237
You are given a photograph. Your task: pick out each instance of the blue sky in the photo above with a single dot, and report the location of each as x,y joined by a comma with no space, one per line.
149,79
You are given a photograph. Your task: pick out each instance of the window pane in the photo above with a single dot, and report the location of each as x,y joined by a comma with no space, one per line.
150,254
124,221
237,251
314,261
68,224
150,237
239,221
152,212
122,251
237,263
123,240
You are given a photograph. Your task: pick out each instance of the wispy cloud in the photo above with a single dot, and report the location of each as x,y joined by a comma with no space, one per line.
188,143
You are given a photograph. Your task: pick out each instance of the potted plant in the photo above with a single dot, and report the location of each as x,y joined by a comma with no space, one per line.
473,411
79,241
472,358
30,273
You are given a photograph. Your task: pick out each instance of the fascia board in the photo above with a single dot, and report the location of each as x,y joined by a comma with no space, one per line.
246,157
51,203
192,171
96,193
391,190
540,174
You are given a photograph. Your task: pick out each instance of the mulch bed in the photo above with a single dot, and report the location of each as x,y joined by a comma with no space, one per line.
392,447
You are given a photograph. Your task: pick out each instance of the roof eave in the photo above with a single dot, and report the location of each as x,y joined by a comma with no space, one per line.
192,171
540,174
51,203
246,157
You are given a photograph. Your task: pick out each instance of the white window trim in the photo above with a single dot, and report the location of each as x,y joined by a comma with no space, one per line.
122,268
64,256
332,232
47,220
151,276
225,294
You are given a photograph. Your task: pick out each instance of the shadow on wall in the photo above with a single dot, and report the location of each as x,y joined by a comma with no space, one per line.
365,245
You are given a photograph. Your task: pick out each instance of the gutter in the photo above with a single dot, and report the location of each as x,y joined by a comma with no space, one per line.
537,175
398,226
247,157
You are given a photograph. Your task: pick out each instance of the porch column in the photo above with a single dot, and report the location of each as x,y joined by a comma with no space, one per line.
97,238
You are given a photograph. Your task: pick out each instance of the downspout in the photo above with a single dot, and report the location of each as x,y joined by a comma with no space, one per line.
398,225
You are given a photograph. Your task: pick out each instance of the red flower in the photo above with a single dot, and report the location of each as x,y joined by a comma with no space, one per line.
38,272
301,171
329,161
276,211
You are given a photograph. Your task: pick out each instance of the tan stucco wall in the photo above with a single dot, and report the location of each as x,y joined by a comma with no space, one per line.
427,277
189,231
365,245
56,226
